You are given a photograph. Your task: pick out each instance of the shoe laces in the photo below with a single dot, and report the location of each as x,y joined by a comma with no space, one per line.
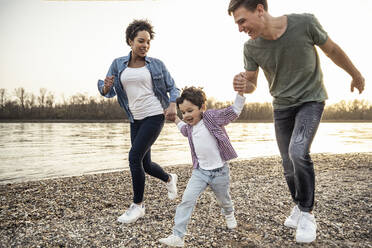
305,219
174,237
170,185
131,209
229,217
295,210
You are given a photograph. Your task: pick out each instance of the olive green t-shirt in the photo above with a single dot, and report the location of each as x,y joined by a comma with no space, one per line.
290,63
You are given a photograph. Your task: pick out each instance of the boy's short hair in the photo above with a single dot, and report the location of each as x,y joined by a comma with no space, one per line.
192,94
248,4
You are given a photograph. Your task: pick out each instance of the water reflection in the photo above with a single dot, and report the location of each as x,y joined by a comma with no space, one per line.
30,151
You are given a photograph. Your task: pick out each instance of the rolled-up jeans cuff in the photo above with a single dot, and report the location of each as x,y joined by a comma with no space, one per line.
230,212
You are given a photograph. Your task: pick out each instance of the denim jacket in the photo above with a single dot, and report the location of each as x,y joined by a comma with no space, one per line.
161,80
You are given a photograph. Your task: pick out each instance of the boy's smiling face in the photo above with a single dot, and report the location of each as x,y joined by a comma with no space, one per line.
191,113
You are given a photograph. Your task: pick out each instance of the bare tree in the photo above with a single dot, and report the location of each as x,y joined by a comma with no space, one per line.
41,98
64,101
2,97
31,100
22,96
50,99
79,99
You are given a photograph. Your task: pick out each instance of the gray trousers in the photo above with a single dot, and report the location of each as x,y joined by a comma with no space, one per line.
295,129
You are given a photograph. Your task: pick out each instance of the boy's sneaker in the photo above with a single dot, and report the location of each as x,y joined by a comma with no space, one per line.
172,187
231,221
292,220
306,229
133,213
172,240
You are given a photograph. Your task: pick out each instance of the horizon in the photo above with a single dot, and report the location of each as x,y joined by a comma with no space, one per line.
63,99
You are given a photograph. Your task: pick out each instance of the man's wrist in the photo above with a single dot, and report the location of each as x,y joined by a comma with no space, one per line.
356,75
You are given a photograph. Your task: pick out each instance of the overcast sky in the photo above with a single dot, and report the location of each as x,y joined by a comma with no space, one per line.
66,46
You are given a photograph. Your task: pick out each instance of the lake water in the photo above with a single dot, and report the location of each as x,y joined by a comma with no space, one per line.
32,151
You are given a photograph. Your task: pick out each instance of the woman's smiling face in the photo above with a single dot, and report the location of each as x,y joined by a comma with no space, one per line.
141,43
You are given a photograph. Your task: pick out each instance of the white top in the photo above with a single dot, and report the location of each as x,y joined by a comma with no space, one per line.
205,143
142,101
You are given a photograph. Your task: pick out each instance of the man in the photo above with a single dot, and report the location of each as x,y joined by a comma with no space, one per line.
284,48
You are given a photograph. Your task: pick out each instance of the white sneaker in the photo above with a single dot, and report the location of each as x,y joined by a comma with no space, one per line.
172,187
231,221
292,220
133,213
172,240
306,229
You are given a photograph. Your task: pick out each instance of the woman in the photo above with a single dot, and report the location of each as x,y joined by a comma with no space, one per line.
141,84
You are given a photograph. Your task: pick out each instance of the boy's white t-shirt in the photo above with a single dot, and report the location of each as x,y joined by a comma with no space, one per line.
142,101
205,143
206,148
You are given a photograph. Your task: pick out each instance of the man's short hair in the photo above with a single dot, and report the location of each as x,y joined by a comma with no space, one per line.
248,4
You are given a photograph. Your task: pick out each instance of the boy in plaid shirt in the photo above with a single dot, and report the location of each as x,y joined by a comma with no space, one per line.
210,151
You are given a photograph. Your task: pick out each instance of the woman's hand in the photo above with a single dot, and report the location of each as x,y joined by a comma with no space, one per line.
171,112
109,81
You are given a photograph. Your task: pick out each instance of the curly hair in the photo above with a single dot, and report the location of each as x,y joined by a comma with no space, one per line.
248,4
192,94
136,26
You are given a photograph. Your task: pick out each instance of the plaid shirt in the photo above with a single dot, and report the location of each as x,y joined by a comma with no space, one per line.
215,120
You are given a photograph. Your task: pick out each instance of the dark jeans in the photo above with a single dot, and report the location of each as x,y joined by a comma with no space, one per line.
295,129
143,134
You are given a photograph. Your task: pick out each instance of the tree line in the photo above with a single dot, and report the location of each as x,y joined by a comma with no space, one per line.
21,105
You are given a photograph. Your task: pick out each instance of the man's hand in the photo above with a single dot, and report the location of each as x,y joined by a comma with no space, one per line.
245,82
358,83
240,82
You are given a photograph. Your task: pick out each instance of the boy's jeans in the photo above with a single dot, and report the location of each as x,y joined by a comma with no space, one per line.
218,180
295,129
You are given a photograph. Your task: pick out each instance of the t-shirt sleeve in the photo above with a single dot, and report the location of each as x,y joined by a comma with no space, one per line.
317,32
249,63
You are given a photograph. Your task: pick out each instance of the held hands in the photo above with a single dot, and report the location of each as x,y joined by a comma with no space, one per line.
109,81
171,112
242,85
177,120
239,83
358,83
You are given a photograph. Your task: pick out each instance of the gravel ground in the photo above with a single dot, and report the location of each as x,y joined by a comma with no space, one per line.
82,211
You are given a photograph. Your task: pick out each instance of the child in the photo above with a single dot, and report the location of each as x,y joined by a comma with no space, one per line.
210,151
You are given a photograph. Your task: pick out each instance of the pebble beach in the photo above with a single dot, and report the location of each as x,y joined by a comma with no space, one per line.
82,211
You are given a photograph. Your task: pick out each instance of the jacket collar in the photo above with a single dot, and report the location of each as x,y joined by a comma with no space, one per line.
127,58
